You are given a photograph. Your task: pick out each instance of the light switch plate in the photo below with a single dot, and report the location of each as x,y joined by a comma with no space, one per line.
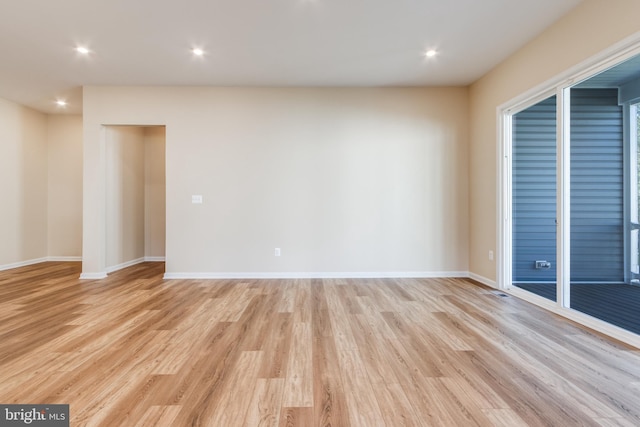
196,199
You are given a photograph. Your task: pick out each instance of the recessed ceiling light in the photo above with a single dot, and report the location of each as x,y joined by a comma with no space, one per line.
197,51
61,103
431,53
83,50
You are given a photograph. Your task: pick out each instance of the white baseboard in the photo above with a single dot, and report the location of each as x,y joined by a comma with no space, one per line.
64,258
93,276
124,265
114,268
39,260
483,280
23,263
325,275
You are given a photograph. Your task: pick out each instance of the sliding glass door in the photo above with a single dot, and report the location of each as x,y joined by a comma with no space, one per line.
573,205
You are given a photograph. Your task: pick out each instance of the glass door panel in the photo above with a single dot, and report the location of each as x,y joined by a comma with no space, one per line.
604,208
534,182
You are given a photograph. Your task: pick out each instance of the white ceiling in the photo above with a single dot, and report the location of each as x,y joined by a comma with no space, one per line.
256,43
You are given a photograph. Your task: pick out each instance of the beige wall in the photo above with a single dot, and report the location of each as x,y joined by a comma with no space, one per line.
64,151
342,180
590,28
23,188
154,192
41,168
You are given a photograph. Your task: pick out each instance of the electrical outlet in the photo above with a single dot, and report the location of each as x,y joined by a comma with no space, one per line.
543,264
276,252
490,255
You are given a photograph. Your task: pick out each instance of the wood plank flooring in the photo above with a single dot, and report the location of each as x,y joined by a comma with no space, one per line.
137,350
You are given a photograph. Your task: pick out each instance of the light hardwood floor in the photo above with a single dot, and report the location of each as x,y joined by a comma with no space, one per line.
137,350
